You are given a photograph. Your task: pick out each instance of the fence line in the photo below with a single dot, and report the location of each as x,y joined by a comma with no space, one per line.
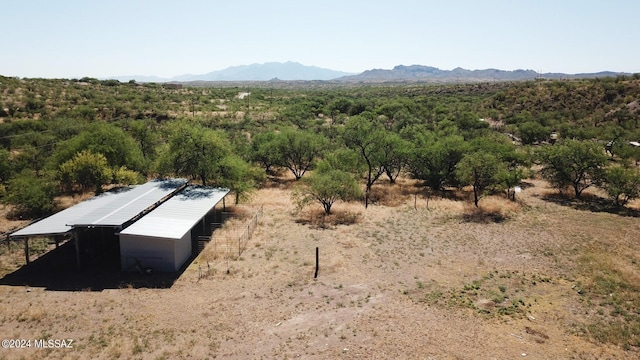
245,236
232,243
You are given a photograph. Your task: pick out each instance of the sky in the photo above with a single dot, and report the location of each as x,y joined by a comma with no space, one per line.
95,38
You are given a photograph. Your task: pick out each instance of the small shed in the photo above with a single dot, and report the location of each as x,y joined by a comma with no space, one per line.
93,222
162,239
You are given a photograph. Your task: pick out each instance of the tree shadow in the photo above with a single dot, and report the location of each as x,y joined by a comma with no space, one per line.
454,194
480,216
278,182
320,220
170,184
199,193
591,203
524,185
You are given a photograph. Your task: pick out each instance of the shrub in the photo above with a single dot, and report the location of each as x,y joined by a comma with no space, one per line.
621,184
88,170
32,196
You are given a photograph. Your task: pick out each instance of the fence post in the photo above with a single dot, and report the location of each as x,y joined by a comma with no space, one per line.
315,276
26,249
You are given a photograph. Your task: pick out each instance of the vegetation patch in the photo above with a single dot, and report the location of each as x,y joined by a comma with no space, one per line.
611,290
498,293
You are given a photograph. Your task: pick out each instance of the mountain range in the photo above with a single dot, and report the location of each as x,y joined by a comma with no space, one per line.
293,71
287,71
420,73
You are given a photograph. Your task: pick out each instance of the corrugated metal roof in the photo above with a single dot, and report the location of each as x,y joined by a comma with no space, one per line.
125,208
176,216
57,223
112,208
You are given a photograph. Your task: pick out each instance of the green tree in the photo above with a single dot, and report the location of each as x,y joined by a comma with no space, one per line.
634,154
31,150
86,169
337,107
434,158
500,146
622,184
124,176
146,137
118,147
194,151
509,178
572,163
479,170
532,131
327,187
298,150
513,162
626,151
300,114
264,149
395,155
238,175
344,159
367,138
31,195
6,168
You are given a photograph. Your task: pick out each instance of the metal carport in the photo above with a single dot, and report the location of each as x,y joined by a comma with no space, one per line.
162,239
113,209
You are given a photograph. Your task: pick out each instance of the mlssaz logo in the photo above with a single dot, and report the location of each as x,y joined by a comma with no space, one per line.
54,344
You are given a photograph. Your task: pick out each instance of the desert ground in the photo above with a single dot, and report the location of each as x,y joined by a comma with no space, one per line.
410,277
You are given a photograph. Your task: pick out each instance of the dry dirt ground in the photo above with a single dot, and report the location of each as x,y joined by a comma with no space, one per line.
402,282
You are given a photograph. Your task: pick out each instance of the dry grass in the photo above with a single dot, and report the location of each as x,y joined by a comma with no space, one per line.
393,195
491,209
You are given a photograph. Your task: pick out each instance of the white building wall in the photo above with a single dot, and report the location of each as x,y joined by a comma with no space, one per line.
182,250
152,252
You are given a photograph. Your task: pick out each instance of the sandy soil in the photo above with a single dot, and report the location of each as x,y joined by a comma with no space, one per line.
388,288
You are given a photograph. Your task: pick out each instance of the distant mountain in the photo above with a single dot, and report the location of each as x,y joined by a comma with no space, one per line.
254,72
420,73
267,71
293,71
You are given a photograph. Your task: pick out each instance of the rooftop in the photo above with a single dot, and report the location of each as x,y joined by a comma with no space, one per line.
179,214
113,208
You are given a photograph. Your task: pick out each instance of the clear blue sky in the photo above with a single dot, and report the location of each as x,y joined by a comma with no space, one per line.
76,38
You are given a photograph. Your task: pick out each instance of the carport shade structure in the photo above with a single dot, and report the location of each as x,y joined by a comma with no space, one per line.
114,209
161,239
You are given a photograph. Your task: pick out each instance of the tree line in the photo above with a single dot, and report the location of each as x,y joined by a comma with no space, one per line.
62,136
